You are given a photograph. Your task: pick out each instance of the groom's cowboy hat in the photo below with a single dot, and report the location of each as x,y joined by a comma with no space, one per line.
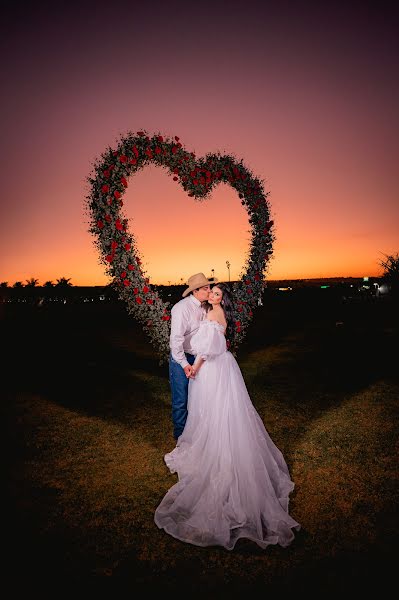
197,281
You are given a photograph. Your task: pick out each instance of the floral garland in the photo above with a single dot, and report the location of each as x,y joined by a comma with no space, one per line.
117,246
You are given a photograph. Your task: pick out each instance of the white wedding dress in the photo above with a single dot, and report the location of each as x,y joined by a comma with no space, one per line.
233,481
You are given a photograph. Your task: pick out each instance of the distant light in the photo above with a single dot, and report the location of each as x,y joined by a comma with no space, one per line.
284,289
323,287
365,278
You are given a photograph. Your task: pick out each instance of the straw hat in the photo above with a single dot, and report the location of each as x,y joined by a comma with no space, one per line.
197,281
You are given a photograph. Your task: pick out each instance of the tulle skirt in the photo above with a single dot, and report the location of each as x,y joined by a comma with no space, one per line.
233,481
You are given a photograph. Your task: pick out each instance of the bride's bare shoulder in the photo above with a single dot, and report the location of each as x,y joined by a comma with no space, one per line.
218,318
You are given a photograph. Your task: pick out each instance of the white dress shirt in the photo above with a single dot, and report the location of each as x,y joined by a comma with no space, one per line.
186,316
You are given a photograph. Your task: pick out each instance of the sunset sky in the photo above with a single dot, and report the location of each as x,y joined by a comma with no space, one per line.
306,95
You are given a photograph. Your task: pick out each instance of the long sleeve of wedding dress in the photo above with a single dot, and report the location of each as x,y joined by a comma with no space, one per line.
233,481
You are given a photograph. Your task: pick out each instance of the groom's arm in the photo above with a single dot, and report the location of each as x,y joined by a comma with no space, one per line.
178,330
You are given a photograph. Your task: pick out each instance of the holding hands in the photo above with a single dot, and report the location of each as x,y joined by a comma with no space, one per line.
190,371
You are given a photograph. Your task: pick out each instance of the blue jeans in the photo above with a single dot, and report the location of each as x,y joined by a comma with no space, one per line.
179,388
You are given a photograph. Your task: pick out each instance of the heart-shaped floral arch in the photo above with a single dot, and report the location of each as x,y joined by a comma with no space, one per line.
117,246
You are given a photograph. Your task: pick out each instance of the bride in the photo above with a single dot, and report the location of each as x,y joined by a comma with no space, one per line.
233,481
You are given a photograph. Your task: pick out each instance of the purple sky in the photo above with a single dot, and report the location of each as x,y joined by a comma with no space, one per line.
306,94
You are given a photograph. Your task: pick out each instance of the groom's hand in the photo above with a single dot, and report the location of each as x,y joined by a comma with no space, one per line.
188,370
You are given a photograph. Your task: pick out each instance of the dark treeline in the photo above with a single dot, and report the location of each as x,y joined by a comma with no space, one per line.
65,292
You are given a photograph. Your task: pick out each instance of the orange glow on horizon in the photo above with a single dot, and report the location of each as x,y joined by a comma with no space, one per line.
177,236
311,110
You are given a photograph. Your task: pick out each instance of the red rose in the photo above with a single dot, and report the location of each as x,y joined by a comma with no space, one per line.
108,218
123,158
149,152
126,282
123,274
136,290
105,188
114,245
109,258
175,178
127,246
140,133
133,161
135,150
131,267
176,138
146,289
117,194
150,301
165,318
158,150
100,224
174,149
107,173
139,300
160,138
118,224
124,181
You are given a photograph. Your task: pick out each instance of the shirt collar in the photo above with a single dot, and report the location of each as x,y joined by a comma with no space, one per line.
194,300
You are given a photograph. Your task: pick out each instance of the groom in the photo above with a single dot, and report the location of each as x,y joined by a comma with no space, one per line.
185,319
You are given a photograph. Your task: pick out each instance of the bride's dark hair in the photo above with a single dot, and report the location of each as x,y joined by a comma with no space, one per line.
228,307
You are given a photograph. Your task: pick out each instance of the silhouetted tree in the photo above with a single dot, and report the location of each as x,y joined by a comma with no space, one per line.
32,282
390,264
4,284
64,288
64,282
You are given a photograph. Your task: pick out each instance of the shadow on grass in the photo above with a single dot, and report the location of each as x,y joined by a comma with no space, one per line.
84,490
97,360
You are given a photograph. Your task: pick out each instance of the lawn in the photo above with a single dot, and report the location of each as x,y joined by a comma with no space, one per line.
87,415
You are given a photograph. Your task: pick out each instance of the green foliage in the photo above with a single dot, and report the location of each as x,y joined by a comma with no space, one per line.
117,246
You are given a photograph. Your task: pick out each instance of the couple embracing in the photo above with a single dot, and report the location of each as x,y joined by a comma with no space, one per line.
233,481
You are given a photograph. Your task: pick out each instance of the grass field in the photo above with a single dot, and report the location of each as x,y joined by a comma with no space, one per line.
86,409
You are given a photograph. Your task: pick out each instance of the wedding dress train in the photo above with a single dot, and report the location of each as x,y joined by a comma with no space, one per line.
233,481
